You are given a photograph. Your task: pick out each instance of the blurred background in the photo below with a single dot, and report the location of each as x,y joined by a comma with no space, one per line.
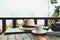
28,8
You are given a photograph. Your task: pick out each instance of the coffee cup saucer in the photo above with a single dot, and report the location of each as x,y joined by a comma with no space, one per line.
42,32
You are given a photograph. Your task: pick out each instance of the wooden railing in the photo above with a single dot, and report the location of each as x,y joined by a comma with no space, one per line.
16,18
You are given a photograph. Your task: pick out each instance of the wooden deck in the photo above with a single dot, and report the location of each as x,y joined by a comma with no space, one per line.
28,36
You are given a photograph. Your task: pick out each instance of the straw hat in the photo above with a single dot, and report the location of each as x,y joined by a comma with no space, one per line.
29,22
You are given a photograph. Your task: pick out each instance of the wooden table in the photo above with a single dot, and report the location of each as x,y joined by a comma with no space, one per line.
27,36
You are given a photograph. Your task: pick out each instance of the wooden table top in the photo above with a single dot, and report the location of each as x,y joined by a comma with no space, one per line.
28,36
25,36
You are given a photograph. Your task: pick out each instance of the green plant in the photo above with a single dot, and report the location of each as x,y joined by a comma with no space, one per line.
55,14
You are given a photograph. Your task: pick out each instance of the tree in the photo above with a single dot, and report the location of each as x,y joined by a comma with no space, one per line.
55,14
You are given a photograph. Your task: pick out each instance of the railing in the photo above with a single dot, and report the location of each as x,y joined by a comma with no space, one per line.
16,18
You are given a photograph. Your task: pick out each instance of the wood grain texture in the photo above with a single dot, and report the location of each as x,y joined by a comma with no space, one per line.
49,37
26,36
3,37
18,37
56,37
41,37
33,37
11,37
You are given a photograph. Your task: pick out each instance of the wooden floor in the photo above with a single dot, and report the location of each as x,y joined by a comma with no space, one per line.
28,36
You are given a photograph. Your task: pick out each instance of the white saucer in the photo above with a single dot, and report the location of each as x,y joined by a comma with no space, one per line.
43,31
22,28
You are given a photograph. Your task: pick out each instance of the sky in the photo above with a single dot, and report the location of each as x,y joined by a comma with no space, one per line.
29,8
21,8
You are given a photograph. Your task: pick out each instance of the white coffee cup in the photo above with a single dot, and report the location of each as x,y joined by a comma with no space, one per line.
39,28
